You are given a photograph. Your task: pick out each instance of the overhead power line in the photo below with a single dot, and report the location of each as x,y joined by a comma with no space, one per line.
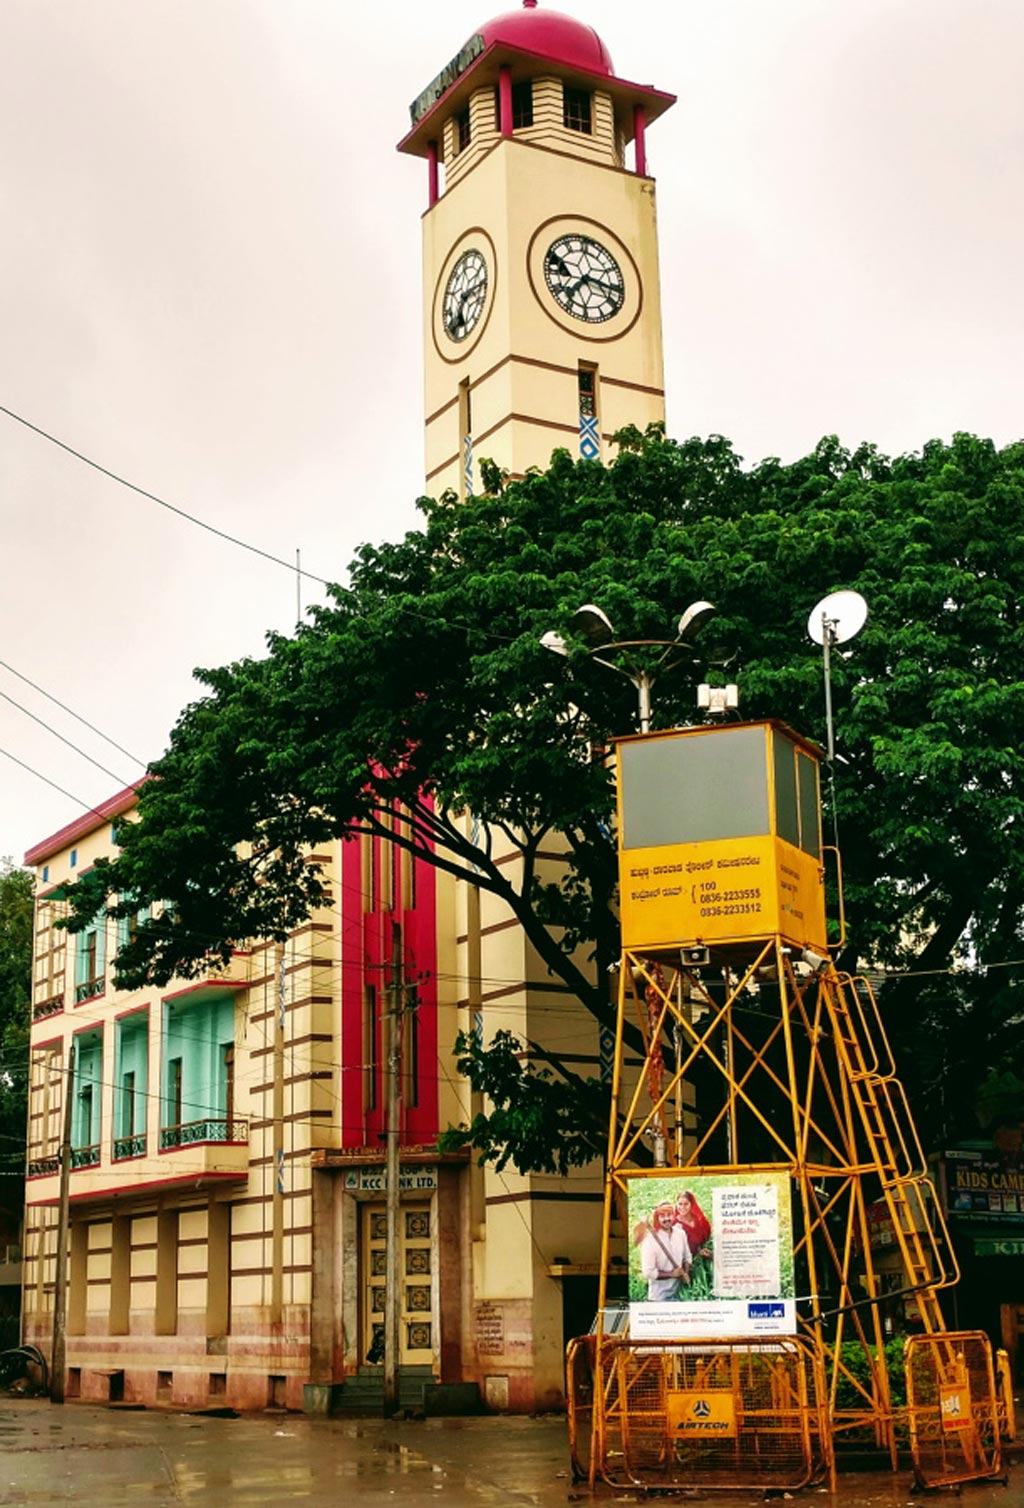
63,740
76,715
47,781
292,567
160,501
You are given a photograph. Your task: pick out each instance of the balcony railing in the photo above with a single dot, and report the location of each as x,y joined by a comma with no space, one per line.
85,1157
130,1146
216,1129
90,988
42,1167
44,1008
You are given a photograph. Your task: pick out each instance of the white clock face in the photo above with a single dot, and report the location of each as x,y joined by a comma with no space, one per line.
584,278
465,294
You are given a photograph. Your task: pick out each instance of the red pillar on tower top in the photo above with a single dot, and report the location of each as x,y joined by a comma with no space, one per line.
640,139
505,101
433,177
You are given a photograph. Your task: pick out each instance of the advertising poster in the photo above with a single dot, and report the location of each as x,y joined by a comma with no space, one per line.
711,1255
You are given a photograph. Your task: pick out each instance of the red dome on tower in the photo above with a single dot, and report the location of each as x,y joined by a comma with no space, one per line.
549,34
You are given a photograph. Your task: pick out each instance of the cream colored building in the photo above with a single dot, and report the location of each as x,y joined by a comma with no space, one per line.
227,1198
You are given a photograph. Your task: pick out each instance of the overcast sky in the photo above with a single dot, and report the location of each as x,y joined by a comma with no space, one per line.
210,284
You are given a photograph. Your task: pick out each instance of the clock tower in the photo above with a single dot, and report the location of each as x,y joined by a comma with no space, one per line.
540,258
542,322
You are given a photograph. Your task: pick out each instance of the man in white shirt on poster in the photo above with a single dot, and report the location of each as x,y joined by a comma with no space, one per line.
664,1254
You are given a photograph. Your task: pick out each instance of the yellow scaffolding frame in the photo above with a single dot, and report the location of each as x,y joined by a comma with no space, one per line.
807,1085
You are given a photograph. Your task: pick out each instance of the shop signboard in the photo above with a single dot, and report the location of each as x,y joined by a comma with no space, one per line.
980,1184
375,1180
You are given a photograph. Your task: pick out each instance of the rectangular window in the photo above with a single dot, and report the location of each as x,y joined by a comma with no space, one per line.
369,1047
576,110
128,926
89,960
588,395
83,1138
586,384
522,105
408,865
128,1103
228,1063
693,789
463,130
796,796
387,867
174,1086
366,856
73,860
807,792
131,1069
46,873
85,1106
787,812
466,438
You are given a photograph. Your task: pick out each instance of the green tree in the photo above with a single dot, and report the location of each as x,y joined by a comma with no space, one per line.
16,892
423,684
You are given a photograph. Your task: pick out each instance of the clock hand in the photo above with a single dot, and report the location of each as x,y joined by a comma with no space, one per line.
600,283
460,315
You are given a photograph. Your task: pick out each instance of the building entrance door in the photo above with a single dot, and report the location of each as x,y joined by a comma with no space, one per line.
415,1275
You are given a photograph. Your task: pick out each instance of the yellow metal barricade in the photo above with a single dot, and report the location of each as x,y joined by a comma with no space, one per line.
951,1407
735,1414
1006,1411
579,1392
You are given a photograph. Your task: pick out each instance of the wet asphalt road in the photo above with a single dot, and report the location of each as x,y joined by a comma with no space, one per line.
104,1458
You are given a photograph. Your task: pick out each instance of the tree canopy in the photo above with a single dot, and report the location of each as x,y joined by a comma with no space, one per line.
422,686
16,892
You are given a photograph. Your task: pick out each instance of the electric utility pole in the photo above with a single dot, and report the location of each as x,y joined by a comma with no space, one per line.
392,1282
60,1286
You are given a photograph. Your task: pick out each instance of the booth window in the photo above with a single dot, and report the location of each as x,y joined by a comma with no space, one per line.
522,105
796,796
576,110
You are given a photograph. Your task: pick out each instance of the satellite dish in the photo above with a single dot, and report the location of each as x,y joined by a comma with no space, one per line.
836,618
843,614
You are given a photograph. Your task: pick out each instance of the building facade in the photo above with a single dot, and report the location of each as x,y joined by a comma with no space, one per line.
227,1188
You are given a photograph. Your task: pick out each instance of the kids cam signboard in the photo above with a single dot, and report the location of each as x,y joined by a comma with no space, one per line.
711,1255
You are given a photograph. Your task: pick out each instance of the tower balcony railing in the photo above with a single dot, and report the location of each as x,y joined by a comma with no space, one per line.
90,989
221,1130
85,1157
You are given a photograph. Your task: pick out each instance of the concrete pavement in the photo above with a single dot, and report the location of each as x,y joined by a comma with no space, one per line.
102,1458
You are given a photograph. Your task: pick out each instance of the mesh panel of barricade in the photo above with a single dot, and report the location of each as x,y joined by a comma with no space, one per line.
735,1414
579,1370
951,1407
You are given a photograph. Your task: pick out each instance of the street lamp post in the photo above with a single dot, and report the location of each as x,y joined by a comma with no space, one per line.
595,626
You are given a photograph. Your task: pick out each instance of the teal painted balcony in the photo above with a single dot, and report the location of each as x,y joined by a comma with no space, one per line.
216,1146
129,1146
